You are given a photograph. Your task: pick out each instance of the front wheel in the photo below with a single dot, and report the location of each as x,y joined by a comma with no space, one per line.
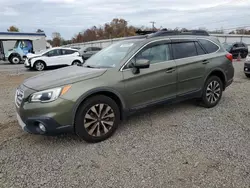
39,66
212,92
97,119
15,60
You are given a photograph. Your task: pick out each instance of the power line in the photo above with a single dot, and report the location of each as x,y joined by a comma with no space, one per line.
153,25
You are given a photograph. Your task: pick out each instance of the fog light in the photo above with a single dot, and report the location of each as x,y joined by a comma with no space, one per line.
246,69
42,127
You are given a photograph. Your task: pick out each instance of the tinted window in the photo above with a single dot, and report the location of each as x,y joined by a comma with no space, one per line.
200,51
208,46
184,49
54,53
240,45
96,49
67,52
155,54
88,49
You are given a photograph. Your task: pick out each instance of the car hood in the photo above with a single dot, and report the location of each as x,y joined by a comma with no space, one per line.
30,55
63,76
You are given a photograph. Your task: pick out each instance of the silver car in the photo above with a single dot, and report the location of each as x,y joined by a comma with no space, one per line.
87,52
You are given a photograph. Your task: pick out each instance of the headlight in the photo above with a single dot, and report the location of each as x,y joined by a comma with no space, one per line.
49,95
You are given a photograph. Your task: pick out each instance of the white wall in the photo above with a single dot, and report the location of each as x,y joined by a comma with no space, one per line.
222,37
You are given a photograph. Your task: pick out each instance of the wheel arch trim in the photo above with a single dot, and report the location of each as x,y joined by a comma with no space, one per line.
95,92
211,72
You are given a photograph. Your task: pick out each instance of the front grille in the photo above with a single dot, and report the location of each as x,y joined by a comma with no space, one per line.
19,97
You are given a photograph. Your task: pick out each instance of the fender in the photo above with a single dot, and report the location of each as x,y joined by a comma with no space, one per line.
94,91
15,55
34,59
214,70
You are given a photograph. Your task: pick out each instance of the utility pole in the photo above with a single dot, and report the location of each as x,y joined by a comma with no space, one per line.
153,25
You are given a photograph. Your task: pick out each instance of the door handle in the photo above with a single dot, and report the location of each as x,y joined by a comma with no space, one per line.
170,70
205,61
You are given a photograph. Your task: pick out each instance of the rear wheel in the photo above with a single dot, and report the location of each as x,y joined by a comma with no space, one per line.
212,92
39,66
97,118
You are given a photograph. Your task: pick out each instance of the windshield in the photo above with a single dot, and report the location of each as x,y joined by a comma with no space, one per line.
111,56
16,44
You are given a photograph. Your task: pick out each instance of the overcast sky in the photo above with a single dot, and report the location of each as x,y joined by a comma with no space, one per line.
69,17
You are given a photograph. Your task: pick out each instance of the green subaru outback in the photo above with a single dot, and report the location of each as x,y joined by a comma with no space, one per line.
129,75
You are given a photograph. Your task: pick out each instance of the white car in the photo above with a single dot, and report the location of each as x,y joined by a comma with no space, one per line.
53,57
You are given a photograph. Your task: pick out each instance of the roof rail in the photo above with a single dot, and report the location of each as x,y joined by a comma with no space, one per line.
140,32
174,32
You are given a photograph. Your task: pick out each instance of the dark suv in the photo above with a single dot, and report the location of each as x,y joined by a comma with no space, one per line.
236,49
120,79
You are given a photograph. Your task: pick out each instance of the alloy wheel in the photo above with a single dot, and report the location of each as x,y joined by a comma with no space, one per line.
99,120
39,66
213,91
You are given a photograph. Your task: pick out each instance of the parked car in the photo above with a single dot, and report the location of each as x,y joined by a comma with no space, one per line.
53,57
236,49
123,78
87,52
247,66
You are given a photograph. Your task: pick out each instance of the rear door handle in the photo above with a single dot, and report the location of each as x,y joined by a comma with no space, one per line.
205,61
170,70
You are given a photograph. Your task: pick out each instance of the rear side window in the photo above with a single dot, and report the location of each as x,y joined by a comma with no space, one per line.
67,52
184,49
208,45
200,51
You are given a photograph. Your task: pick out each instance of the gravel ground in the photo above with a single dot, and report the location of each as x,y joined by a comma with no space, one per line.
181,145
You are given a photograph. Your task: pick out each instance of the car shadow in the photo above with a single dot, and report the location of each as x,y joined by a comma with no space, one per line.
135,118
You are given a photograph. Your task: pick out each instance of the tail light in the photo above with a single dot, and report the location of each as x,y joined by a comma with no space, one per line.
229,57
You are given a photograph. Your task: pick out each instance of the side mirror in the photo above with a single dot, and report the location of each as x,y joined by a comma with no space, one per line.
140,64
85,51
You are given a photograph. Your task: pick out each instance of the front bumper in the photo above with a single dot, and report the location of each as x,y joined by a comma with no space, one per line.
51,126
27,64
56,116
247,67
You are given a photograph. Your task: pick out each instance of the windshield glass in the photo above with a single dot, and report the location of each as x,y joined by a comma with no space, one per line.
111,56
16,44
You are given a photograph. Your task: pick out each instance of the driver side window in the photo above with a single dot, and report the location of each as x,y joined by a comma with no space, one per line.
53,53
155,54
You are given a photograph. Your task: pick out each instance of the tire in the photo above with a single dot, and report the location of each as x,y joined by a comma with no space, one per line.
76,62
87,129
39,66
15,60
215,84
247,75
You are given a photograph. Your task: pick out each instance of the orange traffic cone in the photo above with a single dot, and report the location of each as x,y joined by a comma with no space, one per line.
239,57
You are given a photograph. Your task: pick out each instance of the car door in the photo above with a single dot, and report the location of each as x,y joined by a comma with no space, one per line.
67,56
191,67
54,57
154,84
88,52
